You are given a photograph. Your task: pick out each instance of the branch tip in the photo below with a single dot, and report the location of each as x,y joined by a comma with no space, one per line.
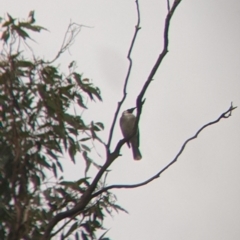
157,175
137,28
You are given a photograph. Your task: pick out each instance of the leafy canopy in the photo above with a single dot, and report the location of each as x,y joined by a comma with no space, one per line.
40,124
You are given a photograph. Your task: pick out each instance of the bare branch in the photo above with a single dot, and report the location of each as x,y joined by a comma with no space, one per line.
84,200
69,37
226,114
140,99
137,28
168,5
160,58
62,227
88,194
65,224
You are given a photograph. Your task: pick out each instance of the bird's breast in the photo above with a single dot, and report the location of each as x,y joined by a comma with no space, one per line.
127,124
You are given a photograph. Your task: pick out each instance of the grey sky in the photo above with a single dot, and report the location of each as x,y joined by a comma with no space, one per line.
198,197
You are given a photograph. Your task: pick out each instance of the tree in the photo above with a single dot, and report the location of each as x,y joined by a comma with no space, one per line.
39,128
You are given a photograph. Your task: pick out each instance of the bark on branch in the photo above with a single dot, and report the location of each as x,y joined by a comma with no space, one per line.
111,156
225,114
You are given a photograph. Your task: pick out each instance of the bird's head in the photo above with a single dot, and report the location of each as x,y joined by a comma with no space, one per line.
128,111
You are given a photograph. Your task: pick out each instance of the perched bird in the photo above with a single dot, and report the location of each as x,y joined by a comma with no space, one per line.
127,121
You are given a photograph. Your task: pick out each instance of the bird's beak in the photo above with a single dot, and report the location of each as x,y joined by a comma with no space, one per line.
131,109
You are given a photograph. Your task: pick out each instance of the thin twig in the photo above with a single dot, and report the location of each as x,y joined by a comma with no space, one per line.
168,5
66,223
88,194
226,114
69,37
160,58
140,99
137,28
63,226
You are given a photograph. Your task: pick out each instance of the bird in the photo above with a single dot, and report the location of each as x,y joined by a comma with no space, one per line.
127,122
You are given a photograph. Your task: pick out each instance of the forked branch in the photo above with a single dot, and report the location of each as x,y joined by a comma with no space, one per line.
225,114
159,59
111,156
137,28
69,37
140,100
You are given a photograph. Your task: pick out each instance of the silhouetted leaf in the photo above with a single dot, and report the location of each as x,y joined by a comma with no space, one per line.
88,162
31,27
101,237
60,166
52,154
71,64
76,236
72,229
21,32
84,236
80,101
5,36
72,151
54,169
85,147
9,22
41,131
84,139
100,125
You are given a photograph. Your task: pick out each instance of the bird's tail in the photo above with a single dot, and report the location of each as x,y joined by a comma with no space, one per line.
136,153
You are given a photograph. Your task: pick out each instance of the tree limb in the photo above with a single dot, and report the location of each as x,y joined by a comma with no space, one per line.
88,194
140,99
69,37
137,28
225,114
168,5
159,59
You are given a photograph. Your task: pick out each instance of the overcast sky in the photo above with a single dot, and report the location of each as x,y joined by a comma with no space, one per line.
198,197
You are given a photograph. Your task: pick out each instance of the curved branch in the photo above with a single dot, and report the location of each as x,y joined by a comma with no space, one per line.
88,194
168,5
86,197
159,59
140,100
226,114
73,30
137,28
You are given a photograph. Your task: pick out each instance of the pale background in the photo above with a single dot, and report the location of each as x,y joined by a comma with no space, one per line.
198,197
